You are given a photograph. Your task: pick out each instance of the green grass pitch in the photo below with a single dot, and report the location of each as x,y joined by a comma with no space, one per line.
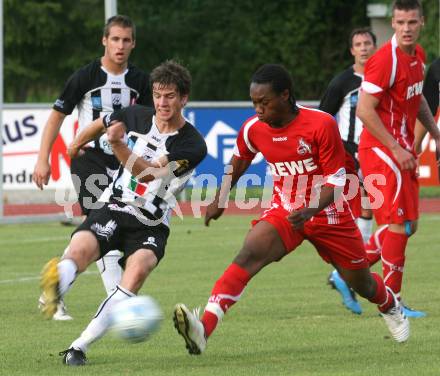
289,322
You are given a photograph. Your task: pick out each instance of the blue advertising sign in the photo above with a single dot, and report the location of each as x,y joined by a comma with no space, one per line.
220,126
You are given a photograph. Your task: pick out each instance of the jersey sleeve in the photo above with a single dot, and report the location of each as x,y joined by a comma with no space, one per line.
145,97
132,116
331,153
188,152
73,91
378,73
331,101
431,89
244,148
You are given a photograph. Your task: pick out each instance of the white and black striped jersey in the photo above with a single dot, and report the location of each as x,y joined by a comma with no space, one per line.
97,92
185,149
431,89
340,99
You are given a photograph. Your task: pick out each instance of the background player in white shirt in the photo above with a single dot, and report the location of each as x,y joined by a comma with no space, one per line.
101,87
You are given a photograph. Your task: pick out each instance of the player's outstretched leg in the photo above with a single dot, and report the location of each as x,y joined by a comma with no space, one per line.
75,355
349,299
226,292
190,327
397,322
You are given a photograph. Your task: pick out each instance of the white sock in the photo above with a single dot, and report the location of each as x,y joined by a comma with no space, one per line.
67,272
111,271
366,227
100,323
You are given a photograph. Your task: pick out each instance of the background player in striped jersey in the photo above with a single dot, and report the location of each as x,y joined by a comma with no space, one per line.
304,151
157,150
100,87
431,91
340,98
390,101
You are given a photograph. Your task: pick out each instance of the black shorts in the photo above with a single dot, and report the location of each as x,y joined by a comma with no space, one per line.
116,227
91,174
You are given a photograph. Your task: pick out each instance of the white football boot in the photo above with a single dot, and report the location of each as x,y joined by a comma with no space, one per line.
397,322
190,327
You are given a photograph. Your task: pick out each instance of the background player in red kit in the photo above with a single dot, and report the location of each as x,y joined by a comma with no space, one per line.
340,98
303,148
391,99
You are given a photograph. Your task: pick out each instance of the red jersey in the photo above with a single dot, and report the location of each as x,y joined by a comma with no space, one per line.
306,153
396,79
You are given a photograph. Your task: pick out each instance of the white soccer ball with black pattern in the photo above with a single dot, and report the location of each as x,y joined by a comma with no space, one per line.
135,319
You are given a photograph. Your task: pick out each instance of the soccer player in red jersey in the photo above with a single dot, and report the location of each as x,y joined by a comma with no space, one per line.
391,99
305,153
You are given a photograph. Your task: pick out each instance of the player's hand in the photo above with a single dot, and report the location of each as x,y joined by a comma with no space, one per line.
299,217
437,149
213,212
405,159
41,174
116,132
74,151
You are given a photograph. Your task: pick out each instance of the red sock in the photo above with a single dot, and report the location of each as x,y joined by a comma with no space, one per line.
383,297
226,292
374,245
393,260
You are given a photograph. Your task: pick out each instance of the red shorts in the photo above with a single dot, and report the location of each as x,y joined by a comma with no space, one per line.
395,199
340,244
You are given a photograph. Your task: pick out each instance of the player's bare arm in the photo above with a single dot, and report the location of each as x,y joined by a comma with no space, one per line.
143,171
93,131
216,208
366,111
299,217
427,120
41,172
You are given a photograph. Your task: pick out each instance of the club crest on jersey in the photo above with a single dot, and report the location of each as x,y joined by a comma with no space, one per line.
303,147
116,99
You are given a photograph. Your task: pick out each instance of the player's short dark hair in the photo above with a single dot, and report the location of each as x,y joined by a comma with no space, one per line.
359,31
407,5
172,73
122,21
278,77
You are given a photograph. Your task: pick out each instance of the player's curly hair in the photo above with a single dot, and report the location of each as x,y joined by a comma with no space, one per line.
172,73
279,78
122,21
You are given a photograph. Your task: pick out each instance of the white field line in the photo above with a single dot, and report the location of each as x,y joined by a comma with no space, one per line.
35,278
16,241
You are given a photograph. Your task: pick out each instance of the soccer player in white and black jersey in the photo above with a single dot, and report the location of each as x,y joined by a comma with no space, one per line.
340,99
157,151
105,85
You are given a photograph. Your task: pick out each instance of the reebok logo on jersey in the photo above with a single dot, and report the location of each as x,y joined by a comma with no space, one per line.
292,168
116,83
415,89
303,147
279,139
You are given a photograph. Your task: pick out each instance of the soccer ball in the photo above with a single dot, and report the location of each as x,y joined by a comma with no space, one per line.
135,319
